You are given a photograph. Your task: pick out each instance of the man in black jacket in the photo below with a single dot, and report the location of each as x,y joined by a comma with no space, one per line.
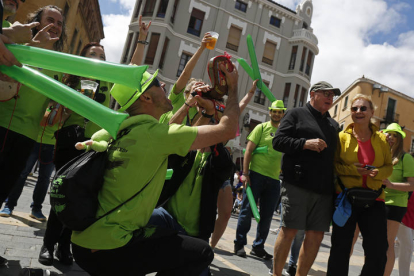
308,137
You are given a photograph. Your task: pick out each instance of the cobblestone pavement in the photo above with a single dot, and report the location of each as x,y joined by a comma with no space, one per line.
21,238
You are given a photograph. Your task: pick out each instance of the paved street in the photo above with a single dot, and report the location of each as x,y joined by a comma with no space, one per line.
21,239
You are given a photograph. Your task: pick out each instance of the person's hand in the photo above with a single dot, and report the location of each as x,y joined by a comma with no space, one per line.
21,33
373,173
205,104
6,57
245,179
143,28
43,38
206,39
387,183
231,77
315,145
81,146
254,86
361,169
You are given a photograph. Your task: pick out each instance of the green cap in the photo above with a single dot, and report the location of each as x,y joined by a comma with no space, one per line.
126,96
278,104
323,85
396,128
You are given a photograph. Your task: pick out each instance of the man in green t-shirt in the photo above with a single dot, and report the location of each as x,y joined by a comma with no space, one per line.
261,172
122,243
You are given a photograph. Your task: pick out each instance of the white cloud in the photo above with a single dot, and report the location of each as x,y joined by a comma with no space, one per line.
116,29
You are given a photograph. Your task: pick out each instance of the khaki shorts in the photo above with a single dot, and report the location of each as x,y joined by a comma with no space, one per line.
305,210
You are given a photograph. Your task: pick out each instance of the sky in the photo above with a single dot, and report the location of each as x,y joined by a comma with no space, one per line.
374,38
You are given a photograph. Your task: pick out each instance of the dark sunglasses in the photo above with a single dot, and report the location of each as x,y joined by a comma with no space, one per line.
327,94
155,82
362,108
220,107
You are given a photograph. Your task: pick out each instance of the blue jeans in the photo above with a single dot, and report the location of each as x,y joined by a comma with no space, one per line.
45,171
268,191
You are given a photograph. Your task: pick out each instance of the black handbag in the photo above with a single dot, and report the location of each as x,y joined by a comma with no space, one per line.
68,136
361,197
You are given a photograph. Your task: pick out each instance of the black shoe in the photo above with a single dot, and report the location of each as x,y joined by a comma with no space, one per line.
291,271
261,253
64,256
239,250
46,256
3,261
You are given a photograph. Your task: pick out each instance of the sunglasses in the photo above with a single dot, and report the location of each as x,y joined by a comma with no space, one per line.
220,107
362,108
155,82
327,94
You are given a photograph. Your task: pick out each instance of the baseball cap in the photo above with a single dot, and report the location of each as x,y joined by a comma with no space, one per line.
323,85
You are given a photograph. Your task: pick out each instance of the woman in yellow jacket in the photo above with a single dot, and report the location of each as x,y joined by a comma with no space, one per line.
362,144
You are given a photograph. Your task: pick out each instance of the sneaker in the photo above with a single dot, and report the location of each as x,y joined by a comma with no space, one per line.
3,261
64,256
261,253
46,256
6,212
37,214
291,271
239,250
35,272
271,268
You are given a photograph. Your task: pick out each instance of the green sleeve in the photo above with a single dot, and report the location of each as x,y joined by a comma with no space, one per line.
256,134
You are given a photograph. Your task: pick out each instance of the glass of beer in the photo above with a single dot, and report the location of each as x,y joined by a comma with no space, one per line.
214,36
88,88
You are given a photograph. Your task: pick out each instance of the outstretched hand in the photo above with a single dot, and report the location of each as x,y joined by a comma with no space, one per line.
143,28
206,39
43,38
21,33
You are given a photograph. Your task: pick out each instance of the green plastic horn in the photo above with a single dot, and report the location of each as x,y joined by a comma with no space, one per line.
169,174
253,59
252,202
80,66
84,106
259,150
263,88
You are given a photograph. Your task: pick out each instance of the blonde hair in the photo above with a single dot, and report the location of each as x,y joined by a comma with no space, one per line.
367,98
190,83
397,150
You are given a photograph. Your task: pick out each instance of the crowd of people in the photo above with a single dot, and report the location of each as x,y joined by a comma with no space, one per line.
173,226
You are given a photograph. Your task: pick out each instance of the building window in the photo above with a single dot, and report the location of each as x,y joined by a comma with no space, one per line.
304,25
302,60
241,6
138,9
295,99
174,11
309,63
183,61
292,61
127,47
412,145
196,22
275,21
152,49
302,97
164,50
335,110
390,113
162,8
149,8
73,41
286,94
78,49
234,38
269,52
345,103
259,96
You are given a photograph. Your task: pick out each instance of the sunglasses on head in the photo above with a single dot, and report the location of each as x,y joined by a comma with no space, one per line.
362,108
155,82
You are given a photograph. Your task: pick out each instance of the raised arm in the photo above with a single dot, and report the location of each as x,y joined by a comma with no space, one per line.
213,134
139,50
248,97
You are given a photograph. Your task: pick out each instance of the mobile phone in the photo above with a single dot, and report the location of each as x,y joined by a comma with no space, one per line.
369,167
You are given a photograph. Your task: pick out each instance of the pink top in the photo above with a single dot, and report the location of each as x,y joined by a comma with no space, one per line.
366,155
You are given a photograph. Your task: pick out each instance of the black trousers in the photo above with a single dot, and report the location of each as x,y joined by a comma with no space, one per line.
372,222
169,255
15,149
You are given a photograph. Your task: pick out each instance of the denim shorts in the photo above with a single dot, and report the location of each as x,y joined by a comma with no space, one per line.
304,209
225,184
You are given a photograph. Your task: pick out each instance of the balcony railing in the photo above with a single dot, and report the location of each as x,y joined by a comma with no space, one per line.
232,47
391,117
305,34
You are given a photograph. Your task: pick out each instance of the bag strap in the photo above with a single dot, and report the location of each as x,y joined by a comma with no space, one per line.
128,200
343,187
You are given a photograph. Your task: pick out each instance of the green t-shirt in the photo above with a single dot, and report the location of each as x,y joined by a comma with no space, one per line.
135,159
184,206
47,134
177,100
29,111
403,169
91,127
267,164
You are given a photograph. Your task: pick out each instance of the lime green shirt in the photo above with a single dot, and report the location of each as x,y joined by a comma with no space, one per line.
267,164
184,205
29,110
90,127
135,159
177,100
47,135
403,169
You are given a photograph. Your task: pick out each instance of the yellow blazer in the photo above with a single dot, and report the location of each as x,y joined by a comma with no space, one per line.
347,154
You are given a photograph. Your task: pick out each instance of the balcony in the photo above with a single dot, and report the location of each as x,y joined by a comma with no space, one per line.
390,117
305,35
